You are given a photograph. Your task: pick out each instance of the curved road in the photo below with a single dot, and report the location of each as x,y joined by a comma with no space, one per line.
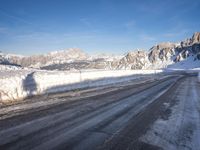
161,114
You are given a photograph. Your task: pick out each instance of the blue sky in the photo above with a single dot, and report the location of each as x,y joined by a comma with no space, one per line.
95,26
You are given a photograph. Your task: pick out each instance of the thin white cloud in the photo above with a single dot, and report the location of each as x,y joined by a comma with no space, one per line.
3,30
72,35
176,32
15,17
130,24
147,38
86,22
171,34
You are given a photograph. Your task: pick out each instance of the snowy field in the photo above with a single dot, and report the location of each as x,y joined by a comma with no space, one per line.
19,83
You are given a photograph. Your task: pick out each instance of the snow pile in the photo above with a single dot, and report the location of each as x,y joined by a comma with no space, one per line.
188,63
9,67
17,85
199,76
11,84
160,64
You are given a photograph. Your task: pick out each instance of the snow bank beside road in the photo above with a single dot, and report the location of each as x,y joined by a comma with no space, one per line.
17,85
199,76
9,67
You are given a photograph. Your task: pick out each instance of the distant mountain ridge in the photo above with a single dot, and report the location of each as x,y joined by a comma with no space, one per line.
56,57
159,56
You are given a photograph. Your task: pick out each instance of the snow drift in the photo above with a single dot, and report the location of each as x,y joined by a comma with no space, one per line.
17,85
199,76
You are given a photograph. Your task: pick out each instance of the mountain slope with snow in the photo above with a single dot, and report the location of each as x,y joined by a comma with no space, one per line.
164,55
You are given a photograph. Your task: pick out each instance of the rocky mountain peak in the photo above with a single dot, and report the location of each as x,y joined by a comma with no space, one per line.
77,53
190,41
161,51
134,60
196,37
72,53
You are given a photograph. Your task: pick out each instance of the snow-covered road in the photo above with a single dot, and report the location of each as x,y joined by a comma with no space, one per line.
159,114
181,130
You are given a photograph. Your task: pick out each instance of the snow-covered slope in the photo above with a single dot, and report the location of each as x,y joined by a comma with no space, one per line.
188,63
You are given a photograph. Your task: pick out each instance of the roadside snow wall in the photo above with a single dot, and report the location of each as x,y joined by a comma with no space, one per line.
19,85
199,76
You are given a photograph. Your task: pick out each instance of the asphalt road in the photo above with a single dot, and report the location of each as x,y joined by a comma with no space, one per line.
124,118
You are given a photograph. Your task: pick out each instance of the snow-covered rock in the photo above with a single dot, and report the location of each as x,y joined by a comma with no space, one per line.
57,57
134,60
